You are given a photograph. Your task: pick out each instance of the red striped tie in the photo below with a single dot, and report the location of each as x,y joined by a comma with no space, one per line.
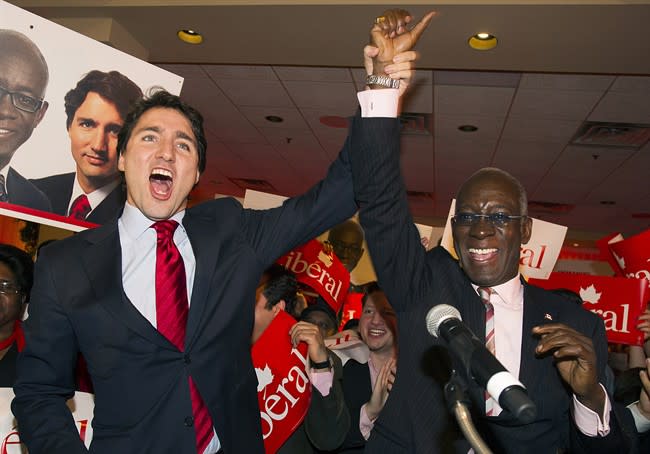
485,293
171,316
80,207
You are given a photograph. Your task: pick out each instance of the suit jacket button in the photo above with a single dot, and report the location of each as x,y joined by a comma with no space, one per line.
189,421
187,359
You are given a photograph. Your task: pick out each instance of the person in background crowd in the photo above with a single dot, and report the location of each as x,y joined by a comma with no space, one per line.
367,385
327,420
154,299
23,80
557,350
320,314
16,276
95,111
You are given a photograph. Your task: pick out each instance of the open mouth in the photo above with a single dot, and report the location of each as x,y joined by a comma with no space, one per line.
483,254
161,181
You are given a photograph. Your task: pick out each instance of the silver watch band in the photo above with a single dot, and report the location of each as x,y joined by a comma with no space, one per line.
384,81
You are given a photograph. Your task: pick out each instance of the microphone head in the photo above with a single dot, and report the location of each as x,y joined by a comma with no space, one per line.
438,314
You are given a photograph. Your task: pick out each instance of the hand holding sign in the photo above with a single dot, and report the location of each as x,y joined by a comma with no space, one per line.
310,334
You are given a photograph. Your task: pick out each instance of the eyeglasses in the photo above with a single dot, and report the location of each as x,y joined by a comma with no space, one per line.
341,247
8,288
496,219
22,101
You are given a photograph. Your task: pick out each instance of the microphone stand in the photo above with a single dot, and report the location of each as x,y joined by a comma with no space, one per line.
456,397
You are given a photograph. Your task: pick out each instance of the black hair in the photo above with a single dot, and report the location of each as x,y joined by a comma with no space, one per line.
113,86
21,265
280,285
163,99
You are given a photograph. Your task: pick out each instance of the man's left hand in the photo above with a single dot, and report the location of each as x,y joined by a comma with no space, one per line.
575,360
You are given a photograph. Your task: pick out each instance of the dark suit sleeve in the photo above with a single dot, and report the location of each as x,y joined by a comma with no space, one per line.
393,240
622,437
45,379
328,419
271,233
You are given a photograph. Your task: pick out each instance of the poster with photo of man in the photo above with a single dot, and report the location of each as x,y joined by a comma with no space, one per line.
63,100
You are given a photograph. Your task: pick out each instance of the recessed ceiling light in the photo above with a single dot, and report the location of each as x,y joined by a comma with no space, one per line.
190,36
467,128
274,119
482,41
576,244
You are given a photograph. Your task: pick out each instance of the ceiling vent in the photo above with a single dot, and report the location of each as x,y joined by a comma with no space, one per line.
605,134
419,195
539,207
253,183
415,124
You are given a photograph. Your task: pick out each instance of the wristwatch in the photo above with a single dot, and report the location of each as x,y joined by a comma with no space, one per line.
322,365
384,81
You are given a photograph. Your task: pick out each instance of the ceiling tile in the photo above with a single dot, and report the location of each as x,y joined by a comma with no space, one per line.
291,73
554,104
459,100
239,72
339,96
578,82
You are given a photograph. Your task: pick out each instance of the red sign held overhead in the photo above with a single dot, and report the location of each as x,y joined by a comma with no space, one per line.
320,270
283,387
619,301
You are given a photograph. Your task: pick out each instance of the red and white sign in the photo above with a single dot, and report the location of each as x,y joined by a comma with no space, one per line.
633,255
537,257
619,301
320,270
351,308
81,405
283,387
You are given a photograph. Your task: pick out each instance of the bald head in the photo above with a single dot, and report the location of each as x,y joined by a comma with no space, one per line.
347,241
492,174
23,80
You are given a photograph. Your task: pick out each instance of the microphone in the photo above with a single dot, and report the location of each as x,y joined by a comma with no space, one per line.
445,321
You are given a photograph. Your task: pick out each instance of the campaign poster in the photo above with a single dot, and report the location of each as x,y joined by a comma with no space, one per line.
68,95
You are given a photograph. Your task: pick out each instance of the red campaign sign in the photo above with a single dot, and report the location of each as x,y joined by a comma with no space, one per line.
633,255
320,270
617,300
351,308
603,246
283,387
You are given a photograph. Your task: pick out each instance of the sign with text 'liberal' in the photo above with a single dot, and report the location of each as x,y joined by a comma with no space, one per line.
283,387
618,300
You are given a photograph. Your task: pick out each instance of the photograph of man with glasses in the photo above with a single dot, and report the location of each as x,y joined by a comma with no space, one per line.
23,79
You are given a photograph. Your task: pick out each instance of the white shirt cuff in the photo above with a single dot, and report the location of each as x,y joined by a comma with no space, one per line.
641,422
379,103
588,421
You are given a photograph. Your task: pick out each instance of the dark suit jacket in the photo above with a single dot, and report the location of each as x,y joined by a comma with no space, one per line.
21,192
327,420
357,389
58,189
415,418
142,399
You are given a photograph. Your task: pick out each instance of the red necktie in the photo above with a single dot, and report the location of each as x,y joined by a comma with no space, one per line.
80,207
485,293
171,315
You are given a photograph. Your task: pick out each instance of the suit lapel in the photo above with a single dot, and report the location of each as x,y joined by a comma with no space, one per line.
103,262
202,234
535,313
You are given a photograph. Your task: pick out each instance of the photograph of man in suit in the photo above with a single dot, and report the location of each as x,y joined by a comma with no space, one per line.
156,301
23,80
557,349
95,111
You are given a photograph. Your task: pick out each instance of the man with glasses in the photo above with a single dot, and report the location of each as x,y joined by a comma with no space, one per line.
23,79
555,348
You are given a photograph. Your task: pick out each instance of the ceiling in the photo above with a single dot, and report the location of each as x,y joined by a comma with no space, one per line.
557,65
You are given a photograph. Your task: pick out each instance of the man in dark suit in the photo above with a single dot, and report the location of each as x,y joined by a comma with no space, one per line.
23,80
557,350
159,380
95,111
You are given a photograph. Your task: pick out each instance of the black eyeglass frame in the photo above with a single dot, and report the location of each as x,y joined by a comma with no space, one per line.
13,94
494,219
9,288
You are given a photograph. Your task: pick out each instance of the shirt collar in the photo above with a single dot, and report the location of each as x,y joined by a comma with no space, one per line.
135,223
95,197
509,292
